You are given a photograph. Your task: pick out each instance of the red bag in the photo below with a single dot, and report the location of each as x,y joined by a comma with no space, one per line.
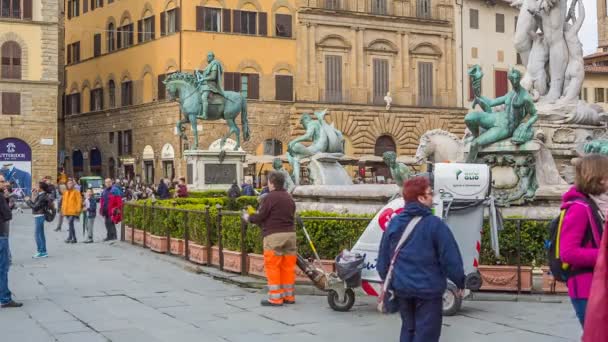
597,307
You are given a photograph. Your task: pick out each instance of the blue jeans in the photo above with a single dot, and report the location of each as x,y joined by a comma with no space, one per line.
5,293
580,306
40,238
72,229
420,319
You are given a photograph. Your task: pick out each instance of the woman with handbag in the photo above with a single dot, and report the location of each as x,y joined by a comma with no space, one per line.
418,253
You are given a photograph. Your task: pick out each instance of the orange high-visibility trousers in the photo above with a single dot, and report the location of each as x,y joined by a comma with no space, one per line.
280,265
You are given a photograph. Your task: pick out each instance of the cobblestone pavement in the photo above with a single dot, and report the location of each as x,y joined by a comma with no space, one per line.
115,292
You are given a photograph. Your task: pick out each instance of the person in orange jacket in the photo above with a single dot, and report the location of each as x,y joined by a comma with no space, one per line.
276,216
71,207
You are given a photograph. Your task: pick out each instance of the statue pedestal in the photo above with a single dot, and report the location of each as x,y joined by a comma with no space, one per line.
324,169
205,171
520,173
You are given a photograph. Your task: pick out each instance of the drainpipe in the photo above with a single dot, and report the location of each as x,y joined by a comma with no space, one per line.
181,30
462,70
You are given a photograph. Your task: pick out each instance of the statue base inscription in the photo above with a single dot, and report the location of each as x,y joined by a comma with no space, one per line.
206,172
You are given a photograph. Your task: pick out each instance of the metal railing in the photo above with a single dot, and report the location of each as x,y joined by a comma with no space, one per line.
149,214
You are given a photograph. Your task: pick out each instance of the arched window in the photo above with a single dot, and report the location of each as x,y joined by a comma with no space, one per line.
77,162
11,60
112,168
95,162
110,34
112,93
384,144
273,147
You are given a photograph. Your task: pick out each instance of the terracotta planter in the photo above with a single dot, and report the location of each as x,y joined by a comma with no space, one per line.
550,285
215,256
138,237
157,243
256,264
232,261
177,247
504,278
198,253
128,232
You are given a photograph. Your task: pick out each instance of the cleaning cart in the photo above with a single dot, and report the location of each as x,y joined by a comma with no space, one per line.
462,194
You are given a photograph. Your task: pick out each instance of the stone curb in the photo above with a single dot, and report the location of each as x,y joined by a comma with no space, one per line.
259,284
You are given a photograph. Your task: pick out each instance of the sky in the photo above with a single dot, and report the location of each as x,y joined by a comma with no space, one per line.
588,33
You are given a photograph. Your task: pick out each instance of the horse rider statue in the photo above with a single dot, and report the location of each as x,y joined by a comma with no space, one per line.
210,81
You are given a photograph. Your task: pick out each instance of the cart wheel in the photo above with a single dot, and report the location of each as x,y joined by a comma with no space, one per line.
334,301
451,301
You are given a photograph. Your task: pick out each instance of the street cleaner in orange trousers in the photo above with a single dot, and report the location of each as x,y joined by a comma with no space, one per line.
276,217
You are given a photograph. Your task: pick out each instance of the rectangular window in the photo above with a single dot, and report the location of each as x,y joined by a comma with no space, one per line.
248,22
378,7
11,103
232,81
282,25
474,18
423,8
119,144
127,142
283,87
500,22
85,6
585,94
599,95
73,103
162,90
333,79
208,19
73,54
170,22
332,4
501,83
97,45
425,84
96,99
76,8
126,93
380,80
250,86
111,137
148,29
126,36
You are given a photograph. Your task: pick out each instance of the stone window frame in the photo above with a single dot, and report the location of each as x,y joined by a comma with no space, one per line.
11,36
380,49
170,5
111,32
147,17
276,7
430,53
284,69
334,45
111,93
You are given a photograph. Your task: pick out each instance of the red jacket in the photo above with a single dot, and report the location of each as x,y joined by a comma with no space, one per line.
111,204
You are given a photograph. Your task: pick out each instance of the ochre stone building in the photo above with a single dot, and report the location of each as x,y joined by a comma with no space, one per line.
29,83
287,56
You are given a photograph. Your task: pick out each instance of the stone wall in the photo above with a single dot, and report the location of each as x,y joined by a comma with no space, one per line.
37,121
154,125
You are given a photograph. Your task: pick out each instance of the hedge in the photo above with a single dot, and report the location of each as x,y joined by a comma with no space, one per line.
532,246
330,236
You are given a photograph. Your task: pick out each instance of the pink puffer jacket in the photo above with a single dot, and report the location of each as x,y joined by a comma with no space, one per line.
578,215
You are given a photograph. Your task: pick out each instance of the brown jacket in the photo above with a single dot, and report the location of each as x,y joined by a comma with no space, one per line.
276,213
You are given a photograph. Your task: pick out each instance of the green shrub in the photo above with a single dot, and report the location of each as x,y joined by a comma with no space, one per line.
532,245
207,193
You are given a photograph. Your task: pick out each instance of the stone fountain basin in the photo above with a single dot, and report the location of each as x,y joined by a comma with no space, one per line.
345,199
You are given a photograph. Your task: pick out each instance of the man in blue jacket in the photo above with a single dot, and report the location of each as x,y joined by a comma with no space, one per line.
427,259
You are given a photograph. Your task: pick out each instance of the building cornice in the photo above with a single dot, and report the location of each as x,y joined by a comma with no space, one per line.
29,82
372,17
28,22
